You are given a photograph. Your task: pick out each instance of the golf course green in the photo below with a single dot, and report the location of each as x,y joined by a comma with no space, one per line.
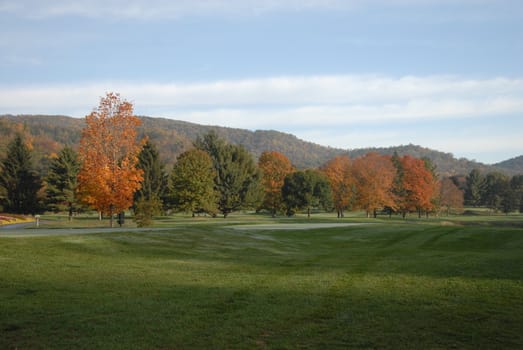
208,283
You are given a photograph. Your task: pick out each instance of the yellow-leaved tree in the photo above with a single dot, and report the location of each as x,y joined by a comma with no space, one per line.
108,153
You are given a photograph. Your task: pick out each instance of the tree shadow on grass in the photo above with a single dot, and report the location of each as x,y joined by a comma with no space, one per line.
351,312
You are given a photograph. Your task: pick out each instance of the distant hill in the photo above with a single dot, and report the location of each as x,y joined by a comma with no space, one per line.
446,163
514,165
49,133
301,153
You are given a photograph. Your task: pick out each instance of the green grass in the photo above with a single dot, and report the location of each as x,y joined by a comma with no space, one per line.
415,284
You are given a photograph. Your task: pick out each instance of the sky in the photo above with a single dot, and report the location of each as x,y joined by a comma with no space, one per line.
443,74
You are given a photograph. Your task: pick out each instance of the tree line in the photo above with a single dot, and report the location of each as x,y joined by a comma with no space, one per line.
114,171
495,191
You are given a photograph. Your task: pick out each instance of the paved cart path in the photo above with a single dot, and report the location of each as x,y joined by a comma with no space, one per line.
15,226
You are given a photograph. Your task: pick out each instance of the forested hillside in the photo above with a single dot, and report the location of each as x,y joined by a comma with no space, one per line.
446,163
513,164
173,136
47,134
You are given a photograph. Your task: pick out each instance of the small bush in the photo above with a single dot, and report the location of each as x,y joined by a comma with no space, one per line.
144,210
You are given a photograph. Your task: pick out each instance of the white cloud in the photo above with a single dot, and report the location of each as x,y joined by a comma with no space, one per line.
485,146
486,143
342,116
161,9
256,103
172,9
481,143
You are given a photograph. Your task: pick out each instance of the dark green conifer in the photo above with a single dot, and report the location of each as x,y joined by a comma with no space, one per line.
18,179
62,182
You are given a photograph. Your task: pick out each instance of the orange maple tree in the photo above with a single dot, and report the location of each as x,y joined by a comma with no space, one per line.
419,184
338,171
108,152
274,166
451,197
374,177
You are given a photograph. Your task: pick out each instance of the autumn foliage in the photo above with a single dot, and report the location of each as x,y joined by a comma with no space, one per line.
217,176
108,152
451,197
374,176
275,167
419,184
338,171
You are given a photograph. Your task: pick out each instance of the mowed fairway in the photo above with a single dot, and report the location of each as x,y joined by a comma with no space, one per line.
211,286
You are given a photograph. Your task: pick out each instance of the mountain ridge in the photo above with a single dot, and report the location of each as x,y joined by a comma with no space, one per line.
49,133
513,164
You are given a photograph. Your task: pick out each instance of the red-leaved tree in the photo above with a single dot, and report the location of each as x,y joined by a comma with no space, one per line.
419,184
451,197
274,166
338,171
374,177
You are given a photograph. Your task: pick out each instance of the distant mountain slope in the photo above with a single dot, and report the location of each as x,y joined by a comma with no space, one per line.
171,136
302,154
446,163
513,165
48,134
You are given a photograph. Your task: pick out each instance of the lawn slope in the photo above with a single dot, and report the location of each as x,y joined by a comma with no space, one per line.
213,286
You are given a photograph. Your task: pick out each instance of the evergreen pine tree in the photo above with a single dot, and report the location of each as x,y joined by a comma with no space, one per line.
19,180
154,184
475,188
61,182
149,199
238,178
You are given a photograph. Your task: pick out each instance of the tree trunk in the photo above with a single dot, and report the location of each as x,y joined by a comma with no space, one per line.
111,216
308,213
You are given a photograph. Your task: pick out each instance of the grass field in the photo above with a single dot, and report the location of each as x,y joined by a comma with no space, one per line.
419,284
